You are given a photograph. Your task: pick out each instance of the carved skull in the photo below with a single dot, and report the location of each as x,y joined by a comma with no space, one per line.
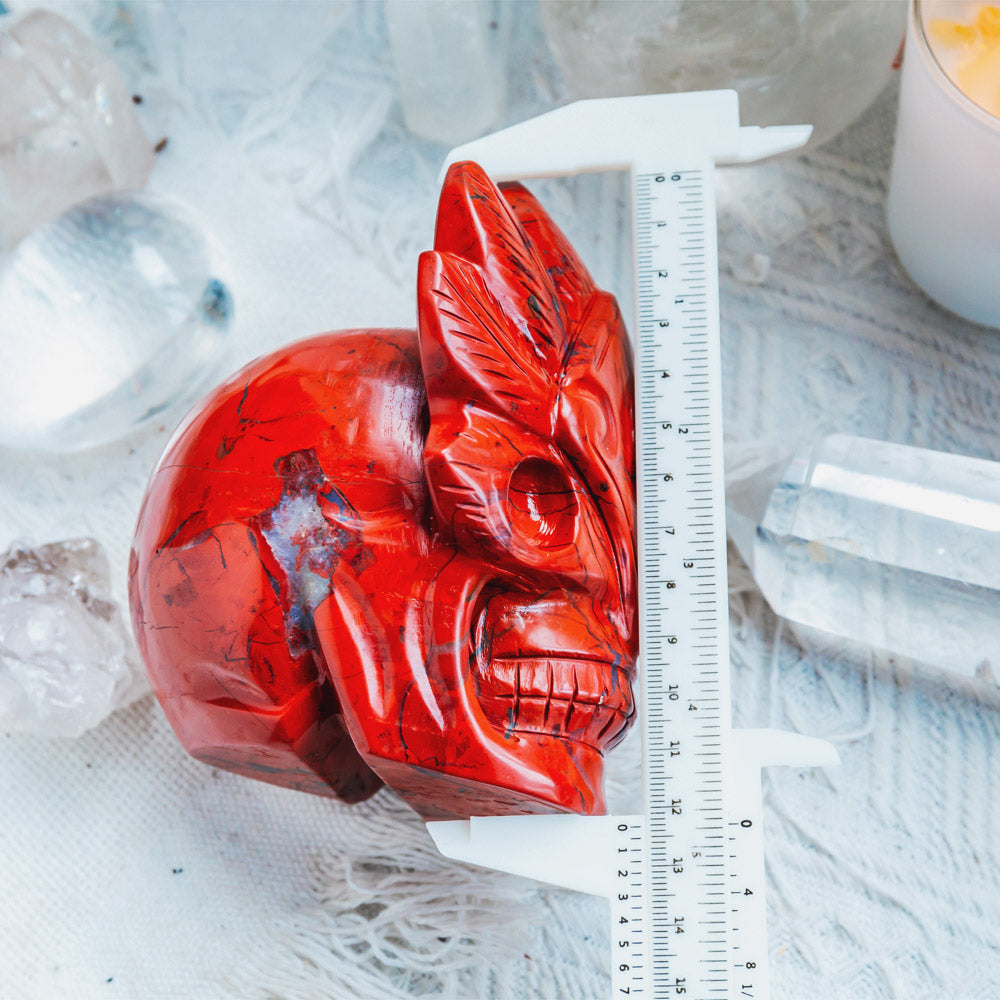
409,557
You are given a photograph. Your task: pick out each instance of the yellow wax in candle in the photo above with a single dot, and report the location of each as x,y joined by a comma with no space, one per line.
977,72
952,33
980,79
988,22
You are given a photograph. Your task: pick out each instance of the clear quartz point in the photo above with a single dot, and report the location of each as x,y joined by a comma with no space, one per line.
885,544
108,315
449,59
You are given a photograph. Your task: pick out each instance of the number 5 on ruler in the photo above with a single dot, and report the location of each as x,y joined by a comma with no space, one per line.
685,877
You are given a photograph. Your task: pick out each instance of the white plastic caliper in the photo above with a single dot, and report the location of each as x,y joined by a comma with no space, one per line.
685,877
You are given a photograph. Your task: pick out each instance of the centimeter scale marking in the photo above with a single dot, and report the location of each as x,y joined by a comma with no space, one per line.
683,947
686,877
683,573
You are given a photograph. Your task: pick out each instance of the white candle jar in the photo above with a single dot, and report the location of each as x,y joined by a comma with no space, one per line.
944,191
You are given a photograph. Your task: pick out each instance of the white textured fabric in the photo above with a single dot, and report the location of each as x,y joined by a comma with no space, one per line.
129,870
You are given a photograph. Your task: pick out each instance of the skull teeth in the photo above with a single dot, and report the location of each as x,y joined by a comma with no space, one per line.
581,699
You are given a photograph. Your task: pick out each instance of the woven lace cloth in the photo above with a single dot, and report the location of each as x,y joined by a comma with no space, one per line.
129,870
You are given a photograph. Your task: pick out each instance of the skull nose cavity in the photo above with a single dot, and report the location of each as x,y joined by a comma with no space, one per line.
542,503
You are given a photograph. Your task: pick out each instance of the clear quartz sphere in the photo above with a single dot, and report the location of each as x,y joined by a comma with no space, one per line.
109,315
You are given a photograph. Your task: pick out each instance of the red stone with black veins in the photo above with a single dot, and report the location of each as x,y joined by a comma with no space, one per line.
209,594
382,555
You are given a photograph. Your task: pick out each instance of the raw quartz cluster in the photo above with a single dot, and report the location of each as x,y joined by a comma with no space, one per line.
975,55
68,126
66,660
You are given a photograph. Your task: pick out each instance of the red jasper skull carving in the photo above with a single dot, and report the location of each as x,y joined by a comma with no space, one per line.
408,557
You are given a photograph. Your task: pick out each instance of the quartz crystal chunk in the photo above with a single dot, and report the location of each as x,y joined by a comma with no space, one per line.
783,58
108,315
66,661
68,127
892,546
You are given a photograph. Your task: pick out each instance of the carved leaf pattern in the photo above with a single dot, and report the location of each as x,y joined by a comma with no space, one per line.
522,357
476,224
572,281
466,337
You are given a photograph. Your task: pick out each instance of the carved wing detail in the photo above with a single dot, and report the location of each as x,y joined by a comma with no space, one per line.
572,281
476,224
472,350
530,452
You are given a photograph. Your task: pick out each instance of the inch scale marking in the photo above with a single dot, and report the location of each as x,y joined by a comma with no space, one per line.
682,579
685,877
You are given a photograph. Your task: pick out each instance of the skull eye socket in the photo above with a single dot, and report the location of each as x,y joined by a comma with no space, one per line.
542,503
